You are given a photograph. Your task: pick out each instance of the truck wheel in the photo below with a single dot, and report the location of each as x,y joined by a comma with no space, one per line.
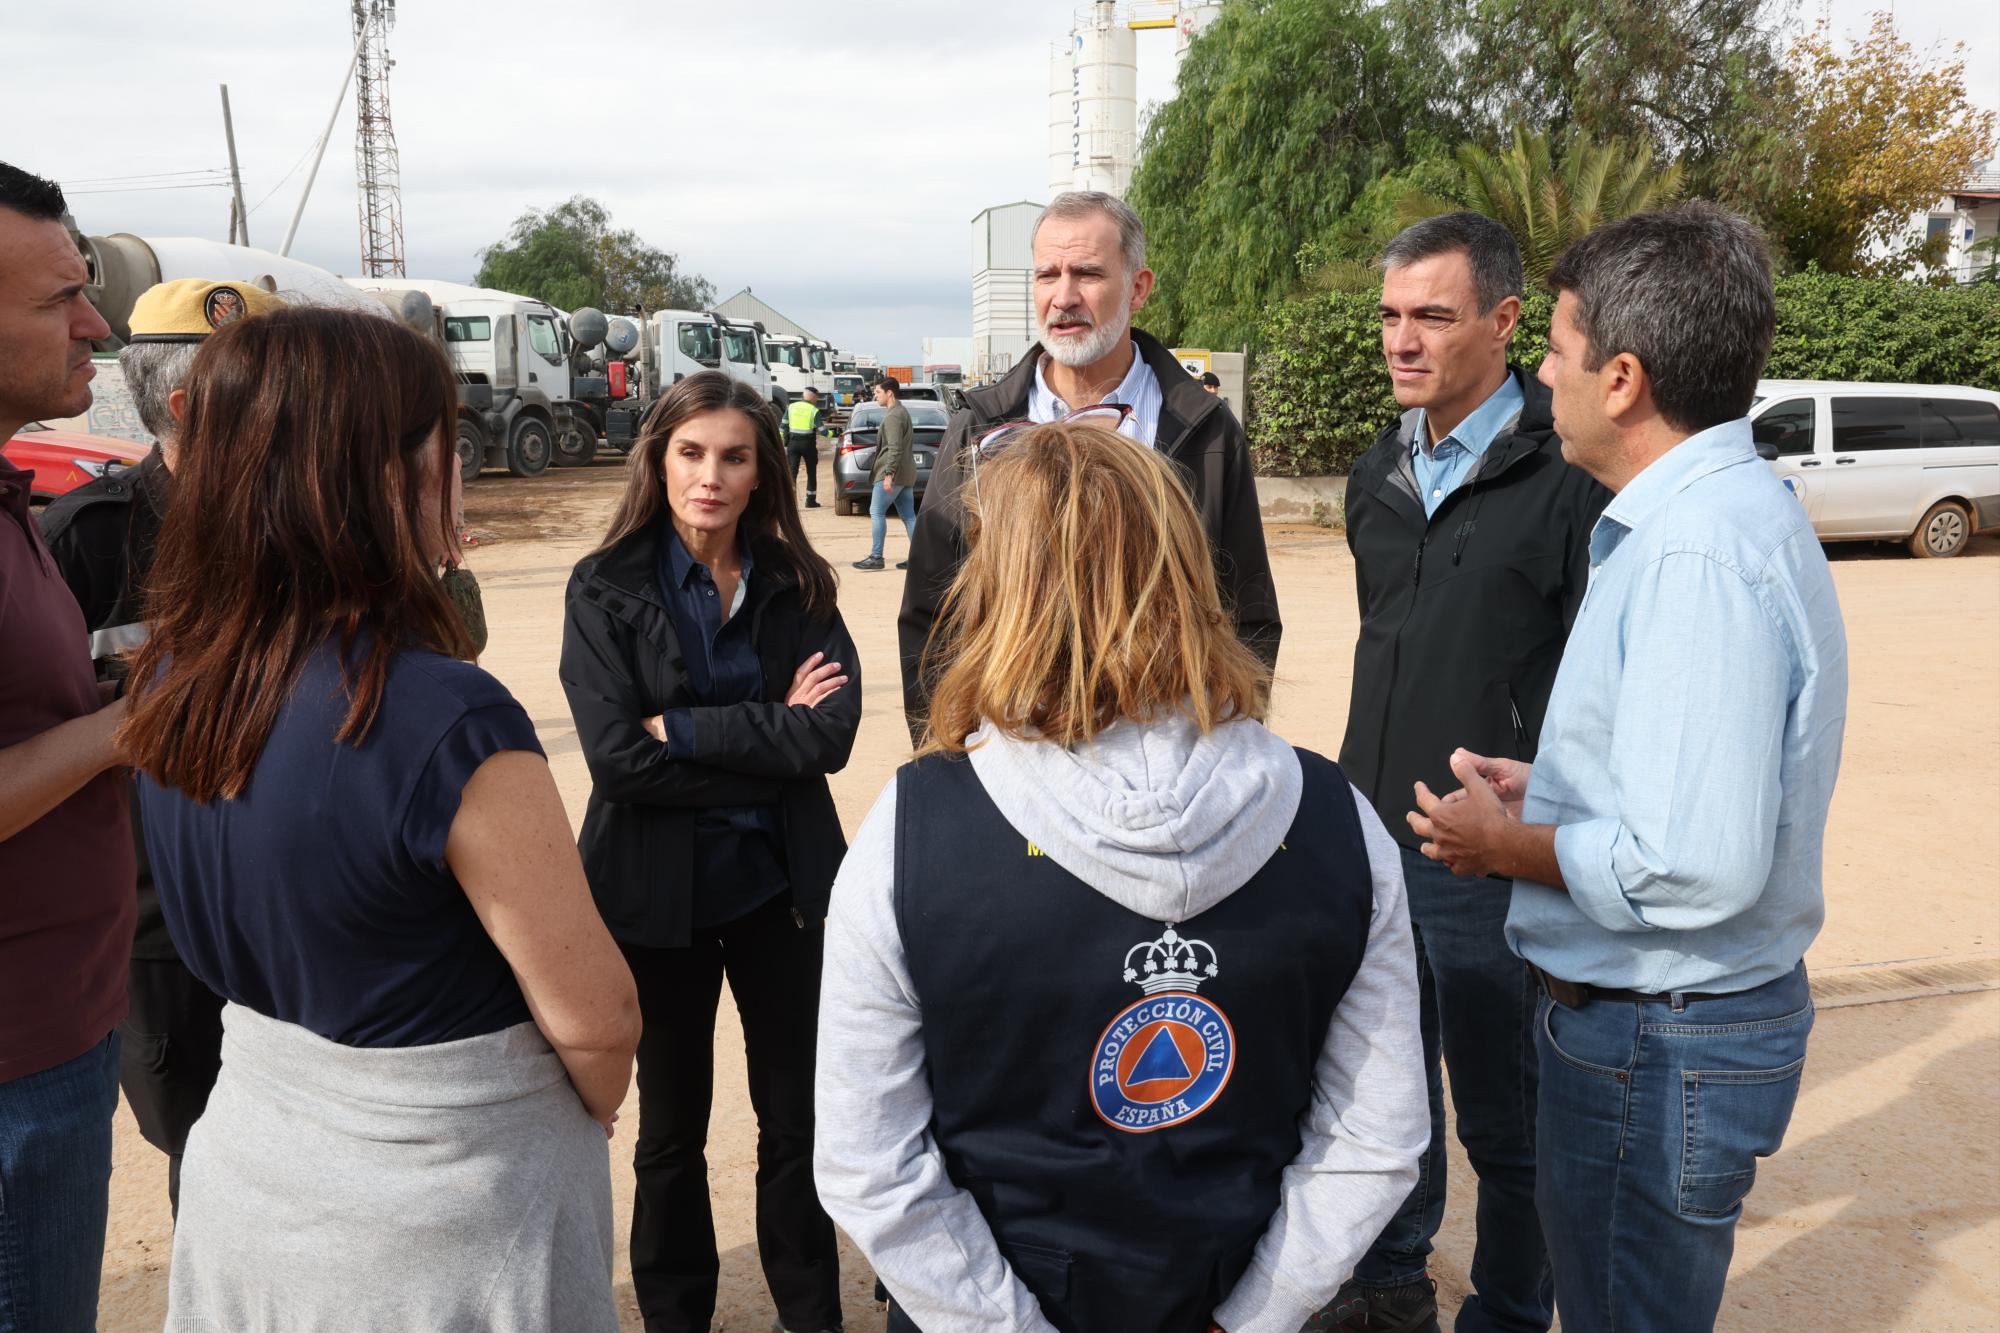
471,450
1942,532
576,448
528,448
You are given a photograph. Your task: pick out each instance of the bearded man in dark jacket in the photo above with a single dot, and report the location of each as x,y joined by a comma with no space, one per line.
1471,542
1090,277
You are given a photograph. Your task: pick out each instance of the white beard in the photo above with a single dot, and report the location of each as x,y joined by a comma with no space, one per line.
1093,346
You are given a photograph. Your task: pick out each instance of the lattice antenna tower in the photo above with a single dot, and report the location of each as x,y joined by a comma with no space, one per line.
377,168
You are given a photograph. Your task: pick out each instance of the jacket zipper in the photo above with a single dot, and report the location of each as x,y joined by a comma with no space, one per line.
1396,658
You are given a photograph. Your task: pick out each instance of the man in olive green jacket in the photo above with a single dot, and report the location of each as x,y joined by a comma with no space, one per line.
893,473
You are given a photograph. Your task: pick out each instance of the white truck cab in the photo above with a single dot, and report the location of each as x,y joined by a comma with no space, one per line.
512,355
680,343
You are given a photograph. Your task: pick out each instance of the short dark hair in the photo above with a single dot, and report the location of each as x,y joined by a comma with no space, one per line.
1687,291
813,389
30,195
1488,247
1211,378
889,382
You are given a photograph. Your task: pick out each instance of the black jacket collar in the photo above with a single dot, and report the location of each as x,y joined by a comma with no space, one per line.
1183,403
1386,467
632,567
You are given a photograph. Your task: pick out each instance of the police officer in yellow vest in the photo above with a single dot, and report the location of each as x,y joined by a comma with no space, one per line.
802,427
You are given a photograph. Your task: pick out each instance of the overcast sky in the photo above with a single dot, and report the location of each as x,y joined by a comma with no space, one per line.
830,156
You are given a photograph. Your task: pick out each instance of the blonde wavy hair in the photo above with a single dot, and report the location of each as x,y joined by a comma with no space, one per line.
1088,597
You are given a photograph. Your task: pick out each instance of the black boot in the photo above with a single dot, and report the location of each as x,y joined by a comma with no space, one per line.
1410,1308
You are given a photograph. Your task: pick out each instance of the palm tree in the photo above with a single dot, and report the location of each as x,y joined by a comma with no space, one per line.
1546,203
1549,204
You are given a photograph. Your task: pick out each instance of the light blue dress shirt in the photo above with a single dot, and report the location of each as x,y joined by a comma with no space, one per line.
1140,388
1693,737
1442,468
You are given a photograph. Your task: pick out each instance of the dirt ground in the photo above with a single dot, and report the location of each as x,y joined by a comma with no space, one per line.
1883,1209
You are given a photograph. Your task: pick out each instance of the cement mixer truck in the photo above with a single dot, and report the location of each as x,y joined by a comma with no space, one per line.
122,266
517,360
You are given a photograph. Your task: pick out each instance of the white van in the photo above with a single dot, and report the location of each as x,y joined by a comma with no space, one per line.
1915,463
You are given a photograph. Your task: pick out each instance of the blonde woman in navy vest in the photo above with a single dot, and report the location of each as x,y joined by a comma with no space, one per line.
1119,1022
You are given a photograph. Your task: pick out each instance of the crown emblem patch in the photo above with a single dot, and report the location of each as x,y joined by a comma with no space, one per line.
1164,1059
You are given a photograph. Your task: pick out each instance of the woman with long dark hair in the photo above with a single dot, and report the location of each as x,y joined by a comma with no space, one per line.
359,846
714,688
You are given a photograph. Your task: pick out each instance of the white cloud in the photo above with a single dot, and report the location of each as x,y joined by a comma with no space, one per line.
830,156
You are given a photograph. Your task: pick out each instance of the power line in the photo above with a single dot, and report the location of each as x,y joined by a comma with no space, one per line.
310,148
145,176
161,179
222,184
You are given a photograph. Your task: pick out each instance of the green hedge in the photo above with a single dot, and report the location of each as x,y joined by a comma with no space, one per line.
1319,393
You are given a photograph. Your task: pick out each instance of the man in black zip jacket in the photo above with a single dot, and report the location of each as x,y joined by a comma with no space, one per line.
1471,538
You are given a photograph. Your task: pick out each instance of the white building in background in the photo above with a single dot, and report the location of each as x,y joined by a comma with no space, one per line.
749,306
1093,139
1965,218
1003,290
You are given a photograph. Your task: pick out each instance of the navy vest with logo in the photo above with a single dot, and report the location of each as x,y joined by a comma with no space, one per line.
1121,1095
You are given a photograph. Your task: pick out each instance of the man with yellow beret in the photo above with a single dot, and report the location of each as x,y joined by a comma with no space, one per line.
102,536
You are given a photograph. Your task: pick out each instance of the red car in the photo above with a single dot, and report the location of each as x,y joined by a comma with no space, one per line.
63,460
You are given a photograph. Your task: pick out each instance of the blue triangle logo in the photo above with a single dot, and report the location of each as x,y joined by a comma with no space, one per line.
1161,1060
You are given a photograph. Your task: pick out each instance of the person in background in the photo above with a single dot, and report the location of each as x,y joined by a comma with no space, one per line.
714,688
66,864
1210,383
1471,544
1666,844
893,472
1119,1027
802,428
1090,278
358,845
102,536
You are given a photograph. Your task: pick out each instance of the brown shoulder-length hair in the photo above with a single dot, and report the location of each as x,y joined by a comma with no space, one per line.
1088,597
771,519
311,487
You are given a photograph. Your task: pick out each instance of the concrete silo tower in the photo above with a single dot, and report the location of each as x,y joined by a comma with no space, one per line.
1105,76
1062,119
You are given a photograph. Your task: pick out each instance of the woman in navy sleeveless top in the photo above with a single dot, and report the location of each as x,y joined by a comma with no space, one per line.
1119,1025
358,846
714,688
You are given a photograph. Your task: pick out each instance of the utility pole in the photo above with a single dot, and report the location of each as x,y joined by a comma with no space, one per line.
320,151
377,166
239,221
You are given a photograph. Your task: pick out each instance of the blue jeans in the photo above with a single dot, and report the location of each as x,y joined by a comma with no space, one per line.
1478,1010
879,501
1652,1119
55,1187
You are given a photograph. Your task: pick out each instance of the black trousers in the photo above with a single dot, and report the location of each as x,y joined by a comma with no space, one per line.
804,449
773,966
172,1053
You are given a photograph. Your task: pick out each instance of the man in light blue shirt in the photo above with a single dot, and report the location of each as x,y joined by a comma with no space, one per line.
1666,844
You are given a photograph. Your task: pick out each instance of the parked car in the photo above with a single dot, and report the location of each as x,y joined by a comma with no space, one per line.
1913,463
63,460
856,452
922,391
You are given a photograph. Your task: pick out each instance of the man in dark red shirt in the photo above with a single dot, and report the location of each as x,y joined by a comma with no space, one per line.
66,865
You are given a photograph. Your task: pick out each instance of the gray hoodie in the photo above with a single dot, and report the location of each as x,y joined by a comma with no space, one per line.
1166,822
